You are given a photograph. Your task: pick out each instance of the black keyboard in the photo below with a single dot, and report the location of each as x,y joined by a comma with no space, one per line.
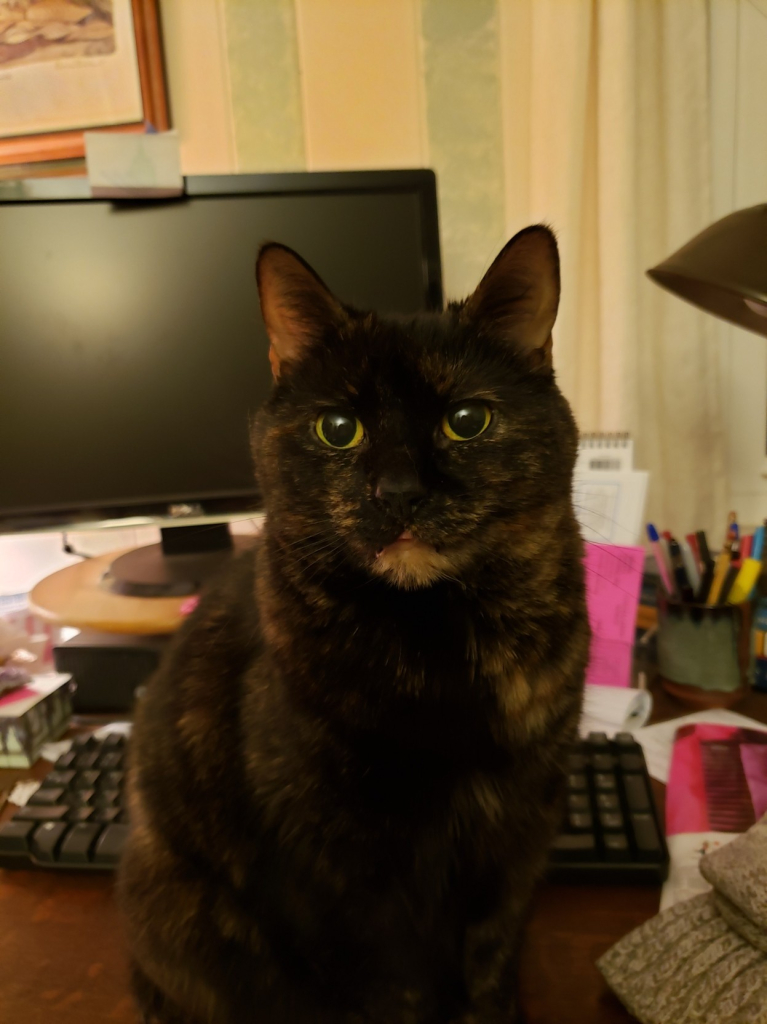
77,818
611,830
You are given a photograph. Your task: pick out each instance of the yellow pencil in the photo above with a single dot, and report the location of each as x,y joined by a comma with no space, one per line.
744,581
721,567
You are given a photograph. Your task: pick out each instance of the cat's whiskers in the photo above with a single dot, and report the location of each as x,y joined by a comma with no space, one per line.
306,545
608,519
318,562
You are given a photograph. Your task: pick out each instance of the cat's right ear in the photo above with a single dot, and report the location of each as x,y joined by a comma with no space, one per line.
297,306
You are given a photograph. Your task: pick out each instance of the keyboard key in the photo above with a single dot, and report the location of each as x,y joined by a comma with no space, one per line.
631,762
578,802
577,781
76,847
608,802
46,797
85,741
111,760
626,739
105,814
604,781
106,797
66,761
611,821
14,836
569,847
580,821
86,780
646,837
617,847
576,762
55,813
87,759
110,844
79,797
79,813
636,792
603,762
58,779
113,741
46,839
111,780
598,739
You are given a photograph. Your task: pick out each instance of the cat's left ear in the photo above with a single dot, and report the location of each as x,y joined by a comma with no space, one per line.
298,308
518,297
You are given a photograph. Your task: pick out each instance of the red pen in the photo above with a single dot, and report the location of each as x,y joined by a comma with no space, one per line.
692,540
745,546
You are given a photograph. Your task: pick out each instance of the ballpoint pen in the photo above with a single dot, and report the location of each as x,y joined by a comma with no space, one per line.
652,534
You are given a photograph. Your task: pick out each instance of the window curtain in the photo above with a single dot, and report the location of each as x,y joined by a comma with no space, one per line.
607,137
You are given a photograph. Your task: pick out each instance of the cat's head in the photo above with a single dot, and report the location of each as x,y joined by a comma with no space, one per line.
412,449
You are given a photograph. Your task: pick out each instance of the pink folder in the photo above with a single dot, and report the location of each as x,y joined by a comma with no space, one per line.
613,585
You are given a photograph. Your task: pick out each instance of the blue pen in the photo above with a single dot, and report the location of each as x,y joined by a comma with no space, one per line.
758,544
660,561
757,548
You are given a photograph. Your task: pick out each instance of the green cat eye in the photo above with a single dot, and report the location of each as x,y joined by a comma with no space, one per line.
338,430
467,420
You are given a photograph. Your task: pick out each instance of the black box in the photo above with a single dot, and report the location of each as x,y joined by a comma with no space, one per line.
108,667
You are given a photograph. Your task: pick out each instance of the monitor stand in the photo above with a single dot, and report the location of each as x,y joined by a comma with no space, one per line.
185,558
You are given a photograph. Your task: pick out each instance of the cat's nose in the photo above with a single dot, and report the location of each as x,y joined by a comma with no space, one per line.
402,492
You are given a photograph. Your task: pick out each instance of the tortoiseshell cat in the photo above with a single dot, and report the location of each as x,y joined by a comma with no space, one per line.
348,771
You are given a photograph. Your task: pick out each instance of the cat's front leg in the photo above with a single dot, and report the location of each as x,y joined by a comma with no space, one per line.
491,965
513,1015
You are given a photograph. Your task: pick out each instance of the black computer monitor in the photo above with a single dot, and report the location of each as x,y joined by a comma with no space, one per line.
132,351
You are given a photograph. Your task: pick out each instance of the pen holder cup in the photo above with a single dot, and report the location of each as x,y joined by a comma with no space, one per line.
703,653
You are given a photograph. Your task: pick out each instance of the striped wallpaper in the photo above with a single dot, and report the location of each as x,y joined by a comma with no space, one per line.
350,84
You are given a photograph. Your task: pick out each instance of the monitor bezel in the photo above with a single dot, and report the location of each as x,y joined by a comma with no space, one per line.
238,504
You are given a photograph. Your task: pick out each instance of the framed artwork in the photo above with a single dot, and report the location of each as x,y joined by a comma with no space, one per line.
67,66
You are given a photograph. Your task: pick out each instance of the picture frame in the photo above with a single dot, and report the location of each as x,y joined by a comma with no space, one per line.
133,69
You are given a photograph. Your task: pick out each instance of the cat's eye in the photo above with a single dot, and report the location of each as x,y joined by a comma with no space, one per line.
339,430
466,420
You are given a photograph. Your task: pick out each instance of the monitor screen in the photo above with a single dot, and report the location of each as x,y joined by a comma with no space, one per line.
132,350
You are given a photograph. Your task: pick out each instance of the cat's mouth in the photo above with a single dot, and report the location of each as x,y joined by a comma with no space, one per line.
400,543
410,563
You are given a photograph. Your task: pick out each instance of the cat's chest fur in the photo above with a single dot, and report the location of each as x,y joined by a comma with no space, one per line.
406,719
437,662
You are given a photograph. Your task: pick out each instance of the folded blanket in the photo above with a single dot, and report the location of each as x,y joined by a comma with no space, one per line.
702,961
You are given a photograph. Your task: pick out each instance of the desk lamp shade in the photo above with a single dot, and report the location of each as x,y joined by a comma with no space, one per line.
724,269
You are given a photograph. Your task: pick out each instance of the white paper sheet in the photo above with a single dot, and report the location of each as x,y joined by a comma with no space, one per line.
53,751
610,506
684,878
124,163
612,709
22,791
122,727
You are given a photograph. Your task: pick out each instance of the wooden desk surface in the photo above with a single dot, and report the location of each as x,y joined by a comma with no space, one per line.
62,957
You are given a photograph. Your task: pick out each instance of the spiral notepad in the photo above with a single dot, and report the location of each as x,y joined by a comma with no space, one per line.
608,493
612,453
